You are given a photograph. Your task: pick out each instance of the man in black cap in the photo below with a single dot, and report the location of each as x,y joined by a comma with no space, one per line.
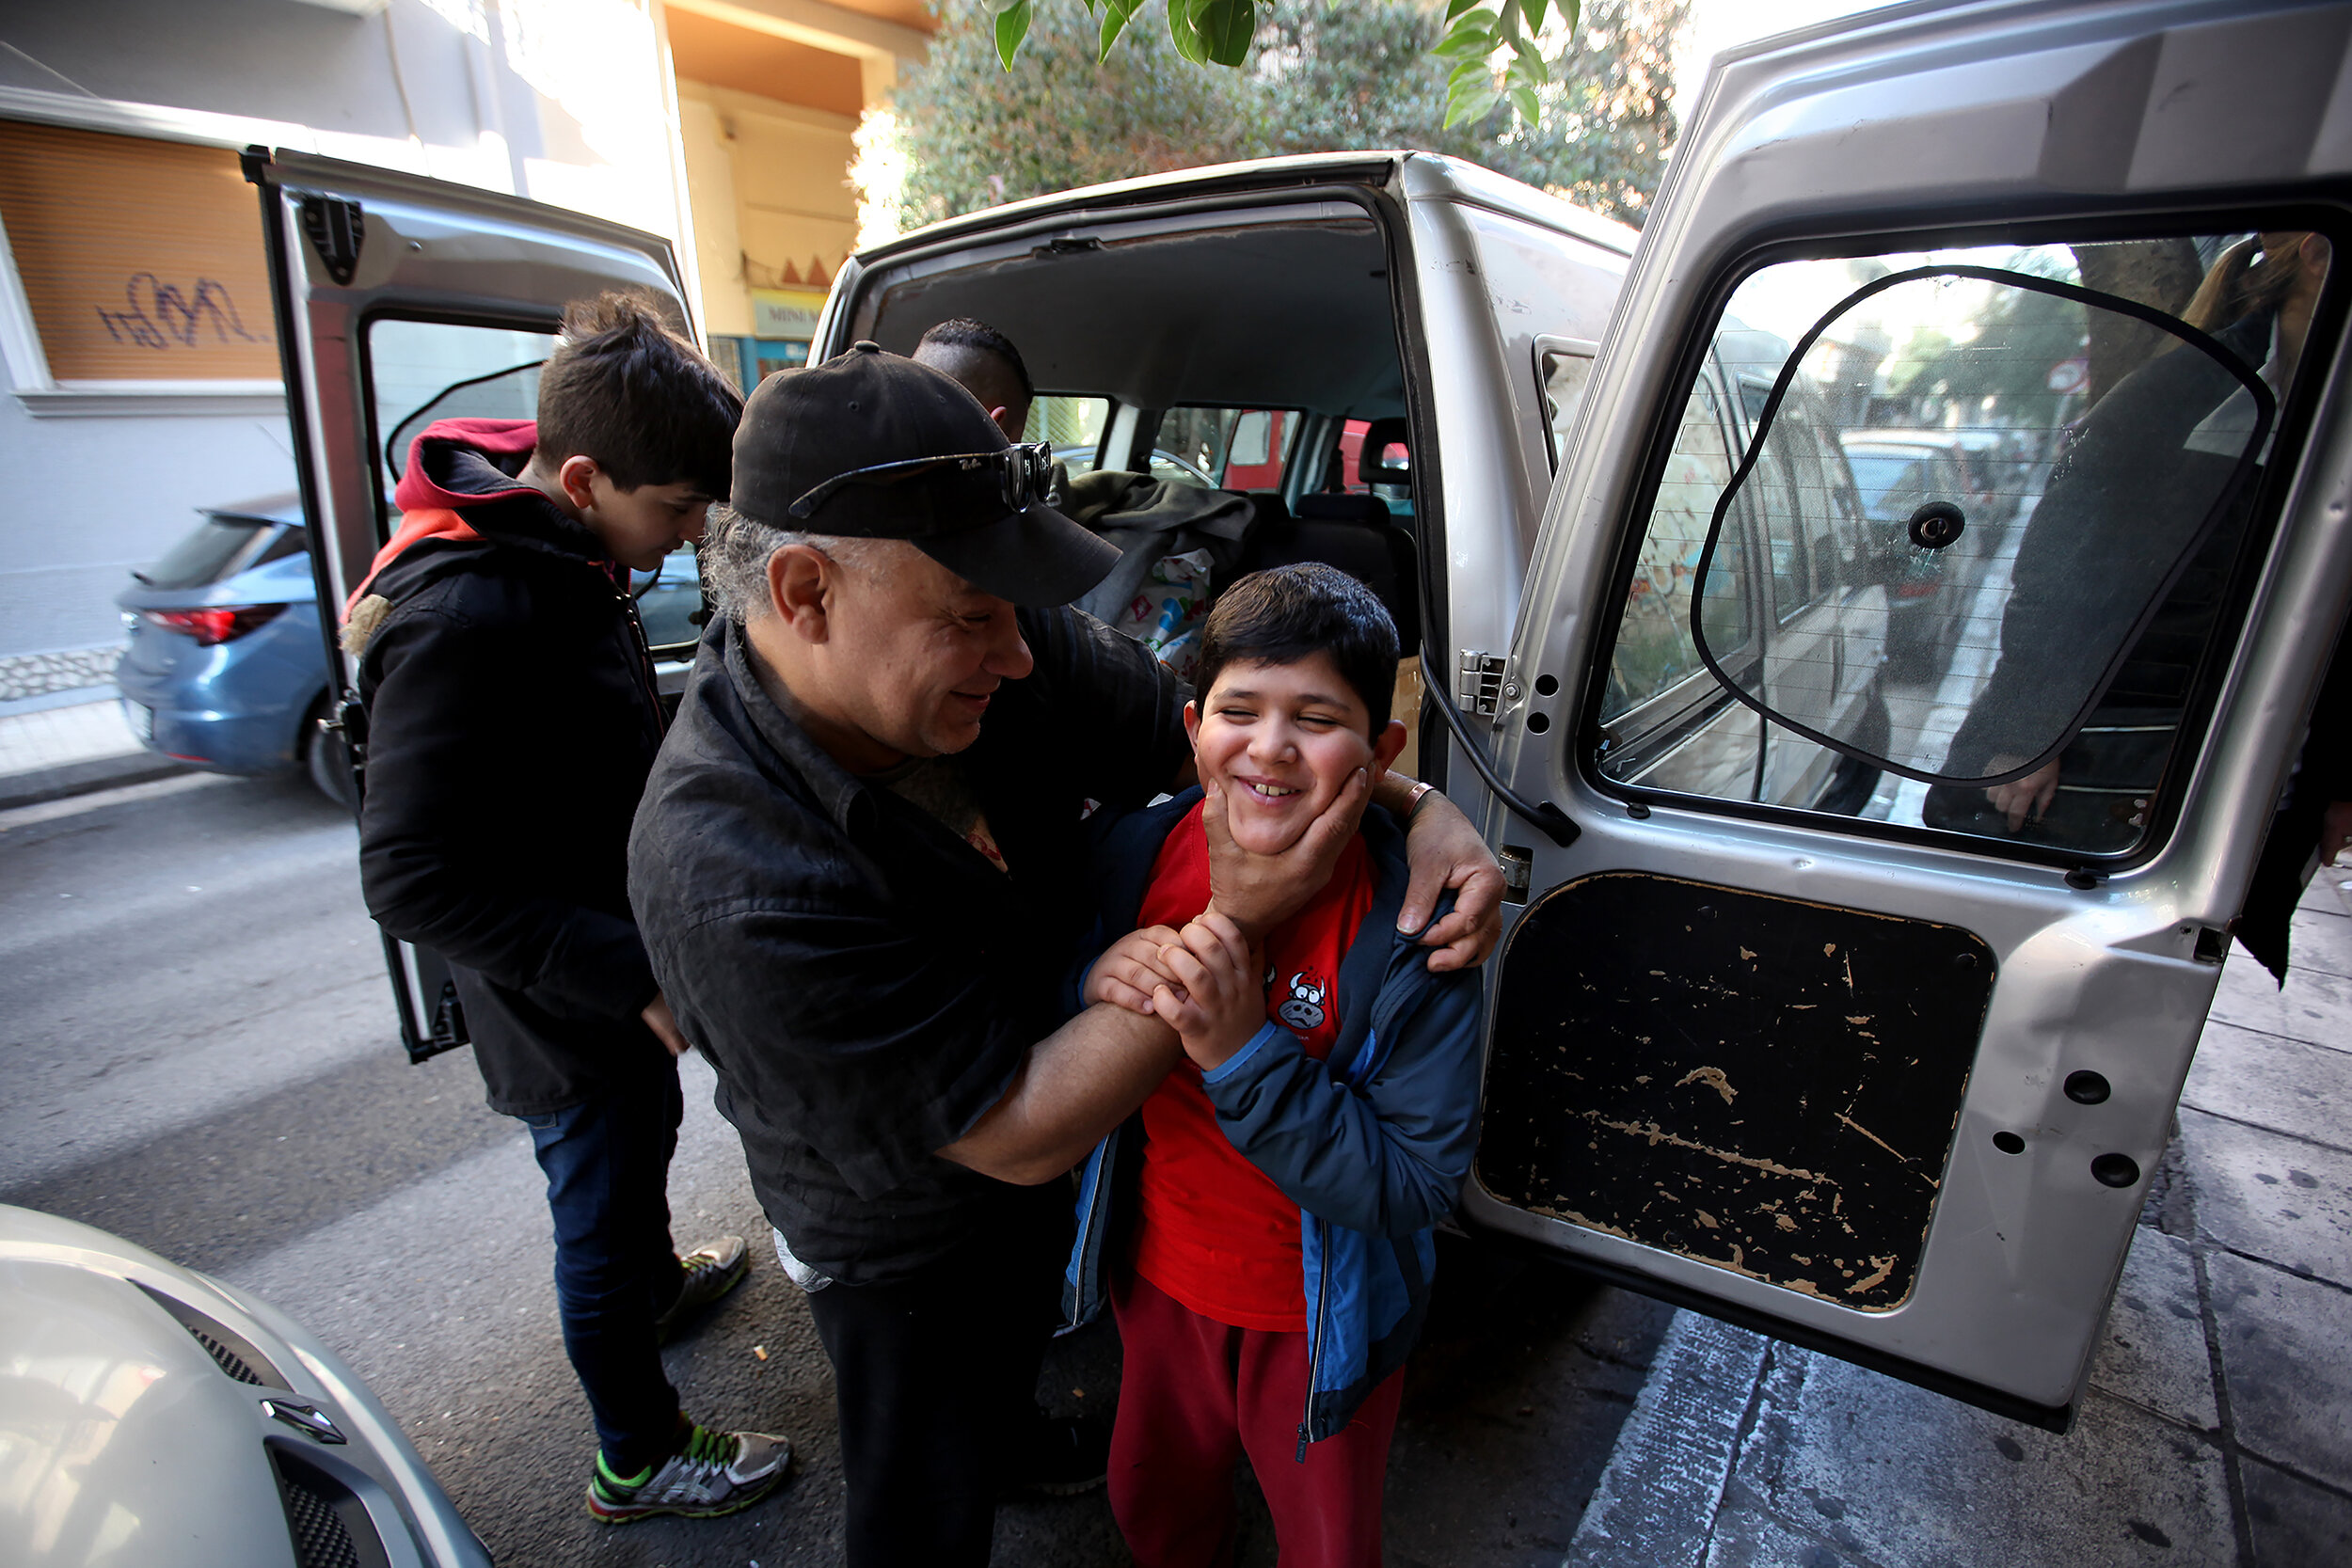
858,867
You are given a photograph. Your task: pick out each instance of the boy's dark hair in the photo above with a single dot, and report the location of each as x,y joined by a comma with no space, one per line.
625,390
1282,615
965,333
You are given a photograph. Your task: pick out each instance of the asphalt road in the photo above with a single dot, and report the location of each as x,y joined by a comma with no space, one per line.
201,1052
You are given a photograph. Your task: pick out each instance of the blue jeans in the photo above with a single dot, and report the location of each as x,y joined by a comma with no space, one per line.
608,1169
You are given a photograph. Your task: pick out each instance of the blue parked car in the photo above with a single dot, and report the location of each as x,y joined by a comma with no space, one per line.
669,604
224,668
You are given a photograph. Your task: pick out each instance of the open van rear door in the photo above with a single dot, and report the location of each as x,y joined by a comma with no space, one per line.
1891,1077
400,300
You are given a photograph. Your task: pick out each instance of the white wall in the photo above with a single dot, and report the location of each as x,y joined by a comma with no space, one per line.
88,499
563,100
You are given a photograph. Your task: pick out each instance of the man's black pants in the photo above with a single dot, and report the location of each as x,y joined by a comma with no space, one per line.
936,1380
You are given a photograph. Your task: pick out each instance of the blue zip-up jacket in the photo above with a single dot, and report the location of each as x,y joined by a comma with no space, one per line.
1372,1143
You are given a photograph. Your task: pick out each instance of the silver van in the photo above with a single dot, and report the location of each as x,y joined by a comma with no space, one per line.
1787,1025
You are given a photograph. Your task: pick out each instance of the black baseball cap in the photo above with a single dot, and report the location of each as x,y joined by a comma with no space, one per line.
868,410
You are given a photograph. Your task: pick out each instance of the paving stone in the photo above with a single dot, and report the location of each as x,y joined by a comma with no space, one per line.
2155,1353
54,737
1901,1477
2296,1523
2286,1351
2331,891
2316,1006
2319,937
2270,1196
2280,1083
1657,1497
1748,1536
37,674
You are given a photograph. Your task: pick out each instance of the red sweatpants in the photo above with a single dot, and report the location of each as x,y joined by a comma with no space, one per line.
1194,1396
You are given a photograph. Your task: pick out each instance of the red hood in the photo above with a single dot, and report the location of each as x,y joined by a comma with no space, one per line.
424,482
427,506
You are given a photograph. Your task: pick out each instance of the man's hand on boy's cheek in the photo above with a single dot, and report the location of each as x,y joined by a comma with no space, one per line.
1259,892
1223,1000
1130,969
1443,850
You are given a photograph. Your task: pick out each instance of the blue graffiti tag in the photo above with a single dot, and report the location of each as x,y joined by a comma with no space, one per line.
175,316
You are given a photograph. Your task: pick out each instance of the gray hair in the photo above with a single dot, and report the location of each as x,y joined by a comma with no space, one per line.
734,552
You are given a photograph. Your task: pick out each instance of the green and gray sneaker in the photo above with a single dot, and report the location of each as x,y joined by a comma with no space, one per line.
712,1473
707,1273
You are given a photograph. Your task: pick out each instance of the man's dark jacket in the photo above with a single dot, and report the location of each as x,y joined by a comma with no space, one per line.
512,719
864,980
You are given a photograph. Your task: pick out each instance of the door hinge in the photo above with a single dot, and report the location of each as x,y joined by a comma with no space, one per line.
448,1018
1518,866
1478,682
349,720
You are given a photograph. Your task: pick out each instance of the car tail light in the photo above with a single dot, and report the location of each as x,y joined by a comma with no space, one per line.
219,623
1916,590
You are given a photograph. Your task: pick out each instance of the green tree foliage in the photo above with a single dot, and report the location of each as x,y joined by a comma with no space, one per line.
2022,336
1497,52
1322,77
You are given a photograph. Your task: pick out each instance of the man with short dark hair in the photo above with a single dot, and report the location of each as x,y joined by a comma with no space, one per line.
512,719
986,363
859,868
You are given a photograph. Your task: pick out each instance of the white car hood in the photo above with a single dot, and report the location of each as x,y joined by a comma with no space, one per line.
105,1400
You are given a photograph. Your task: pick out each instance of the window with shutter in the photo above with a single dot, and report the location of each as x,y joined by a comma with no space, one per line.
141,261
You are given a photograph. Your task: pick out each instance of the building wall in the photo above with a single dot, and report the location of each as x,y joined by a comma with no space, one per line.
709,149
785,168
563,100
89,498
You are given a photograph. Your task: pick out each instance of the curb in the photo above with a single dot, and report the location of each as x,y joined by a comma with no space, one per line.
85,778
1656,1503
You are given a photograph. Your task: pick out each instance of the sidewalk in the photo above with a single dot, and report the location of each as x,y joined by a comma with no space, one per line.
68,743
2218,1425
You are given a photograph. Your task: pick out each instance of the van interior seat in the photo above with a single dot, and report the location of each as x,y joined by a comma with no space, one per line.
1353,532
1271,511
1392,482
1380,435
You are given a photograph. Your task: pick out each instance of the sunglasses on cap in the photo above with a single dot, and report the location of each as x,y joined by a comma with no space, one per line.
1025,476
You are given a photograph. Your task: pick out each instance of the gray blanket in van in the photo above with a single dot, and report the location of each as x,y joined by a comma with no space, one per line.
1150,519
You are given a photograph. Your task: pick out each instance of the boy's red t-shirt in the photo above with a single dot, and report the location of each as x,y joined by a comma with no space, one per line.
1212,1230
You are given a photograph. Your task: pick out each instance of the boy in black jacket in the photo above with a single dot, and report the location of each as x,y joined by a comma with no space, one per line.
512,719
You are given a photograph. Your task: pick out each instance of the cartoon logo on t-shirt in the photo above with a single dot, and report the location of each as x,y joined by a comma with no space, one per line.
1304,1009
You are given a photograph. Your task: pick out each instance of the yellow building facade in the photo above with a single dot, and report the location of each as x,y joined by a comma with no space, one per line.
770,94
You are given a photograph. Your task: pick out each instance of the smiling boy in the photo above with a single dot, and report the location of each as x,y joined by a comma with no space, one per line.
1268,1254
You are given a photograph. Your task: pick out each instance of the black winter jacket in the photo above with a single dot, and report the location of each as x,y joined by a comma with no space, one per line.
512,721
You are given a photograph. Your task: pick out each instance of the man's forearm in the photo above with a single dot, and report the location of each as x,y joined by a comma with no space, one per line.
1076,1085
1396,794
1444,849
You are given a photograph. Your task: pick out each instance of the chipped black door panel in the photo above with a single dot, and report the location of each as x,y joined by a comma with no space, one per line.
1761,1084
